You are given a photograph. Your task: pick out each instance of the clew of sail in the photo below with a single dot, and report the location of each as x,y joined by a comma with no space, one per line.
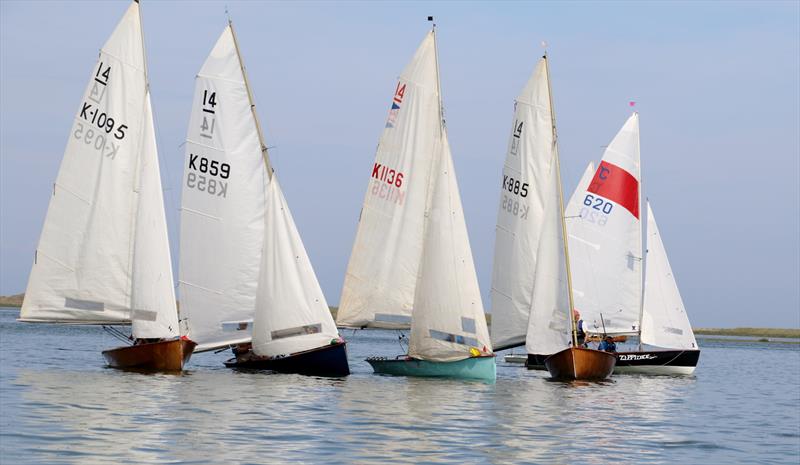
223,204
524,197
291,312
605,239
664,319
381,276
88,266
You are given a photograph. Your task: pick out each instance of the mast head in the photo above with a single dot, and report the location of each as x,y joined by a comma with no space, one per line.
430,19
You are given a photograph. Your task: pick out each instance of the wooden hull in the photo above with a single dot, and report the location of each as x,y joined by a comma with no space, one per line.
579,363
330,360
482,368
155,356
658,362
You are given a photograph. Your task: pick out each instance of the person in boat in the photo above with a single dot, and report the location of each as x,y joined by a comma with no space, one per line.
608,345
581,333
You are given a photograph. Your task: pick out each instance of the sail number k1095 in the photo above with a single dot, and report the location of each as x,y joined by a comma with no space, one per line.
209,184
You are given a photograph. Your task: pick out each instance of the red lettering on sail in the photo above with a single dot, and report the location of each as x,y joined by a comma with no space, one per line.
615,184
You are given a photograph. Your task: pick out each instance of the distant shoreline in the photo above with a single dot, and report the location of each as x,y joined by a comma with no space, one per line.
15,301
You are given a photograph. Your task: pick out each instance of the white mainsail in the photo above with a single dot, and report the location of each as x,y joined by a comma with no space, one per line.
291,312
548,326
103,255
605,239
664,319
222,205
448,319
381,276
525,193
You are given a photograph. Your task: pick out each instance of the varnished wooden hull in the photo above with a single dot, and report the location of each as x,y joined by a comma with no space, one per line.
155,356
579,363
330,360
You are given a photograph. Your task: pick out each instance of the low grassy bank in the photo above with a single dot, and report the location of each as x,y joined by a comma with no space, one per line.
750,332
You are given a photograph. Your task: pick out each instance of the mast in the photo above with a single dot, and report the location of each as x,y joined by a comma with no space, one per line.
574,330
438,80
264,153
643,247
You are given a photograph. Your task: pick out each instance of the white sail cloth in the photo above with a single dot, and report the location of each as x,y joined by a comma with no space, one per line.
605,239
548,327
222,205
103,255
382,273
291,312
448,318
524,198
664,319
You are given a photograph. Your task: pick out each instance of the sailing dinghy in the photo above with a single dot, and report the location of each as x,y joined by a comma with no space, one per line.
411,265
103,255
245,274
620,289
531,296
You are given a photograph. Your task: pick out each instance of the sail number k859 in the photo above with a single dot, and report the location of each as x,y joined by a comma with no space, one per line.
209,170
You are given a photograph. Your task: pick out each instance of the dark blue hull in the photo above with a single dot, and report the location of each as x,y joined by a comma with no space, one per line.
328,360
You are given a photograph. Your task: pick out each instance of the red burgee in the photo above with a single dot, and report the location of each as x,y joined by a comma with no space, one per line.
615,184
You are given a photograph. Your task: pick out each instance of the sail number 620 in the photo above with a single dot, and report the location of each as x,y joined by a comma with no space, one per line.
598,203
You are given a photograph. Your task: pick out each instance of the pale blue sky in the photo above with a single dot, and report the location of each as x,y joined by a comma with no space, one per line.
717,86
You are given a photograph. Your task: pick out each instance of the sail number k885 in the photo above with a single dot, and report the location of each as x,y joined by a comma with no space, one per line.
510,204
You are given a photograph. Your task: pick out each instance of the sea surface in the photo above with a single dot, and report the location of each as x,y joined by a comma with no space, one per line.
60,404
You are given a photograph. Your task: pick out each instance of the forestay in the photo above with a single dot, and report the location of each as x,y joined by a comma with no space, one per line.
223,202
448,319
291,312
95,256
382,273
605,239
548,327
525,192
664,320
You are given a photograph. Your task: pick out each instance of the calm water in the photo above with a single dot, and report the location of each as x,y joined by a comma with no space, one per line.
59,404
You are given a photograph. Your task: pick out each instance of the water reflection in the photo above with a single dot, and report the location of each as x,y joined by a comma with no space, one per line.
64,407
